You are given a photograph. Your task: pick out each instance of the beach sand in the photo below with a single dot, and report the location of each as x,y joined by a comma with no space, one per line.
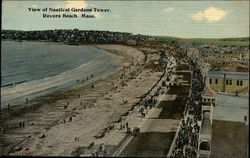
53,122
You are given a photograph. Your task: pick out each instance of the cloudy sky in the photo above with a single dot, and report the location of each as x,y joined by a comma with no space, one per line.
188,19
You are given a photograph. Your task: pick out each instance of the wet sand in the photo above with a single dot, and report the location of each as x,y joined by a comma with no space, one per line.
53,122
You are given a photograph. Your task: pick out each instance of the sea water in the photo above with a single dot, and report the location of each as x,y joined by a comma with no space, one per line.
32,69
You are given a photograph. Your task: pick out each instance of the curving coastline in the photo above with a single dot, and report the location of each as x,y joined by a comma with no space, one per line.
97,67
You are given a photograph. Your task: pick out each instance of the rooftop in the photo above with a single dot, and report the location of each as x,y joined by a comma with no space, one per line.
206,127
231,108
208,92
220,72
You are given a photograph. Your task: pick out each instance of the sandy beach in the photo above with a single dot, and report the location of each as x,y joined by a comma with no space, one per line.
63,122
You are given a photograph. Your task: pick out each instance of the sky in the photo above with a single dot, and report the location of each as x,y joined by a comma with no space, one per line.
186,19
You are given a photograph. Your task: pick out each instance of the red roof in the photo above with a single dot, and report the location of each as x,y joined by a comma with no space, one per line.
208,92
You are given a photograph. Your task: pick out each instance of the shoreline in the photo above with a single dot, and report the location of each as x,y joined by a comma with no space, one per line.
104,85
16,94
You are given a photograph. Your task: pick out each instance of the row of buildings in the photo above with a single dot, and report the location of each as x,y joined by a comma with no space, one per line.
222,84
221,80
224,72
74,36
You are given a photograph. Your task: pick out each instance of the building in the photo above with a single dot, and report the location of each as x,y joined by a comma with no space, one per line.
131,42
205,135
224,81
208,96
163,58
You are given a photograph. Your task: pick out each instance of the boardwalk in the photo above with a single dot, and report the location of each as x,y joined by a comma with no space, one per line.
158,131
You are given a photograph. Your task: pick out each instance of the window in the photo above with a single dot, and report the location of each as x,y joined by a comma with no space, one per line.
216,81
210,80
239,82
208,100
205,146
205,99
228,82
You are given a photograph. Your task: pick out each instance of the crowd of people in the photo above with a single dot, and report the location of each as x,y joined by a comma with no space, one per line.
186,144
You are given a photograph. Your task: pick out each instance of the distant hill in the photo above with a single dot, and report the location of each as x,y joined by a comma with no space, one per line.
233,42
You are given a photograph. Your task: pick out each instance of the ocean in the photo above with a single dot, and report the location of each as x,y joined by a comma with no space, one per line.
32,69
